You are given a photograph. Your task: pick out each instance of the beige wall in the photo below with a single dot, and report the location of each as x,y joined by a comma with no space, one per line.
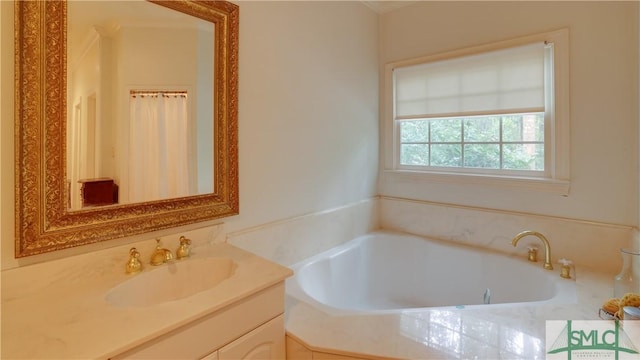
603,100
309,98
308,108
308,114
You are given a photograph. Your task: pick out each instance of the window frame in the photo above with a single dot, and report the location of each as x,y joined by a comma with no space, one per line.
556,177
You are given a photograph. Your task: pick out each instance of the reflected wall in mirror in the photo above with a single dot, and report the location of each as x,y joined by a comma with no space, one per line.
139,103
74,111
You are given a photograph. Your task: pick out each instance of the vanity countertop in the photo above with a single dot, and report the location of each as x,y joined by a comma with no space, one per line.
496,332
58,310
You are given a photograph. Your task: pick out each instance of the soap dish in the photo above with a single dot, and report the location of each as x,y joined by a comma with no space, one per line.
605,315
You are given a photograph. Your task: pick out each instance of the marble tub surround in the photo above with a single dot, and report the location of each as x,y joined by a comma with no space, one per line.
289,241
59,309
588,244
503,332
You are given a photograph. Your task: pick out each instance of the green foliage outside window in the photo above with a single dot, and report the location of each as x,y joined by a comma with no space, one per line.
512,142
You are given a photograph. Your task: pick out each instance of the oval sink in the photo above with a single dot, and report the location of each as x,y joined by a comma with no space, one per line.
172,281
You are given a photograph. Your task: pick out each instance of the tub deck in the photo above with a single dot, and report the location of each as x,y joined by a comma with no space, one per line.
494,332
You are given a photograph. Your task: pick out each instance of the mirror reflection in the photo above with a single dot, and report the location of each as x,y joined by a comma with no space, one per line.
45,220
139,103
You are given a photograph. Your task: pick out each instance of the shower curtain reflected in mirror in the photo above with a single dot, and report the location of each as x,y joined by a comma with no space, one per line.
158,144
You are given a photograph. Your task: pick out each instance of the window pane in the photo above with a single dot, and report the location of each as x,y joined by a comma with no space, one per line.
526,127
439,142
414,154
482,129
482,156
446,155
414,131
446,130
523,156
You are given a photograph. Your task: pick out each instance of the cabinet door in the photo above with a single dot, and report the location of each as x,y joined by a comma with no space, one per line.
265,342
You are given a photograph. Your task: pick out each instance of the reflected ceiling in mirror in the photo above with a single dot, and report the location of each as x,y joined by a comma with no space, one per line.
44,219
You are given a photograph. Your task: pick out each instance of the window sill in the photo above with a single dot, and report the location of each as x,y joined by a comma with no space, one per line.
545,185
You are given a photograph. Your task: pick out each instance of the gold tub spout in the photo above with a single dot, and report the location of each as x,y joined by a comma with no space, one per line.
547,247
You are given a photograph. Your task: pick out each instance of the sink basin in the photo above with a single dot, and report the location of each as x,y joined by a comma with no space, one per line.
172,281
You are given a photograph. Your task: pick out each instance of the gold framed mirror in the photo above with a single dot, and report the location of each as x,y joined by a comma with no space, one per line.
44,219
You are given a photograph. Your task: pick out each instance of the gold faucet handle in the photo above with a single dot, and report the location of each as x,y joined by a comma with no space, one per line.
565,270
184,249
184,241
133,264
532,252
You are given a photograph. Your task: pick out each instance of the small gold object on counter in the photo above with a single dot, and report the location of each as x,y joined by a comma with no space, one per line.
532,253
547,247
133,265
184,250
160,255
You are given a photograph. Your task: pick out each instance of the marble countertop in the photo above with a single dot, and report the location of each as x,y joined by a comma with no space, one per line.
58,310
497,332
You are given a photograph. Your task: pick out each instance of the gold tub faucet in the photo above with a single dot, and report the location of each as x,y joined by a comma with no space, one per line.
160,255
547,247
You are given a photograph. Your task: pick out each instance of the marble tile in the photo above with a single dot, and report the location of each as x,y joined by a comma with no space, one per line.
586,243
435,333
292,240
500,332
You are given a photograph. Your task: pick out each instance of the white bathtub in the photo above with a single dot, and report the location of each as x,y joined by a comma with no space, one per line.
390,272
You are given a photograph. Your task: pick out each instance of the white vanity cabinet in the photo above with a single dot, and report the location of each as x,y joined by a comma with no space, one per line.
249,328
265,342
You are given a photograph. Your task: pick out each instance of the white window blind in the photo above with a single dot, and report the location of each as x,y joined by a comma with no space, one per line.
498,82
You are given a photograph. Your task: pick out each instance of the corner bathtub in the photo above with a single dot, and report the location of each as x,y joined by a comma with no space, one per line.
385,272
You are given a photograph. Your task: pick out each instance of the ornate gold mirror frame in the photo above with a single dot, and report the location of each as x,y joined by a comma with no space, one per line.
43,222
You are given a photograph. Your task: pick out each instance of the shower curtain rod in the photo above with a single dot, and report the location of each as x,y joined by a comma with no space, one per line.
156,92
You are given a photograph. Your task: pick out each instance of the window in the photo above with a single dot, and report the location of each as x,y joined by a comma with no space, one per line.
499,111
510,142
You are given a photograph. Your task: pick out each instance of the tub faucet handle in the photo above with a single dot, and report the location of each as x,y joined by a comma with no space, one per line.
565,269
532,252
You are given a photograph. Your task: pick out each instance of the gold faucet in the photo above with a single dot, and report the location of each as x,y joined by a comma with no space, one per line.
160,255
547,247
183,250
